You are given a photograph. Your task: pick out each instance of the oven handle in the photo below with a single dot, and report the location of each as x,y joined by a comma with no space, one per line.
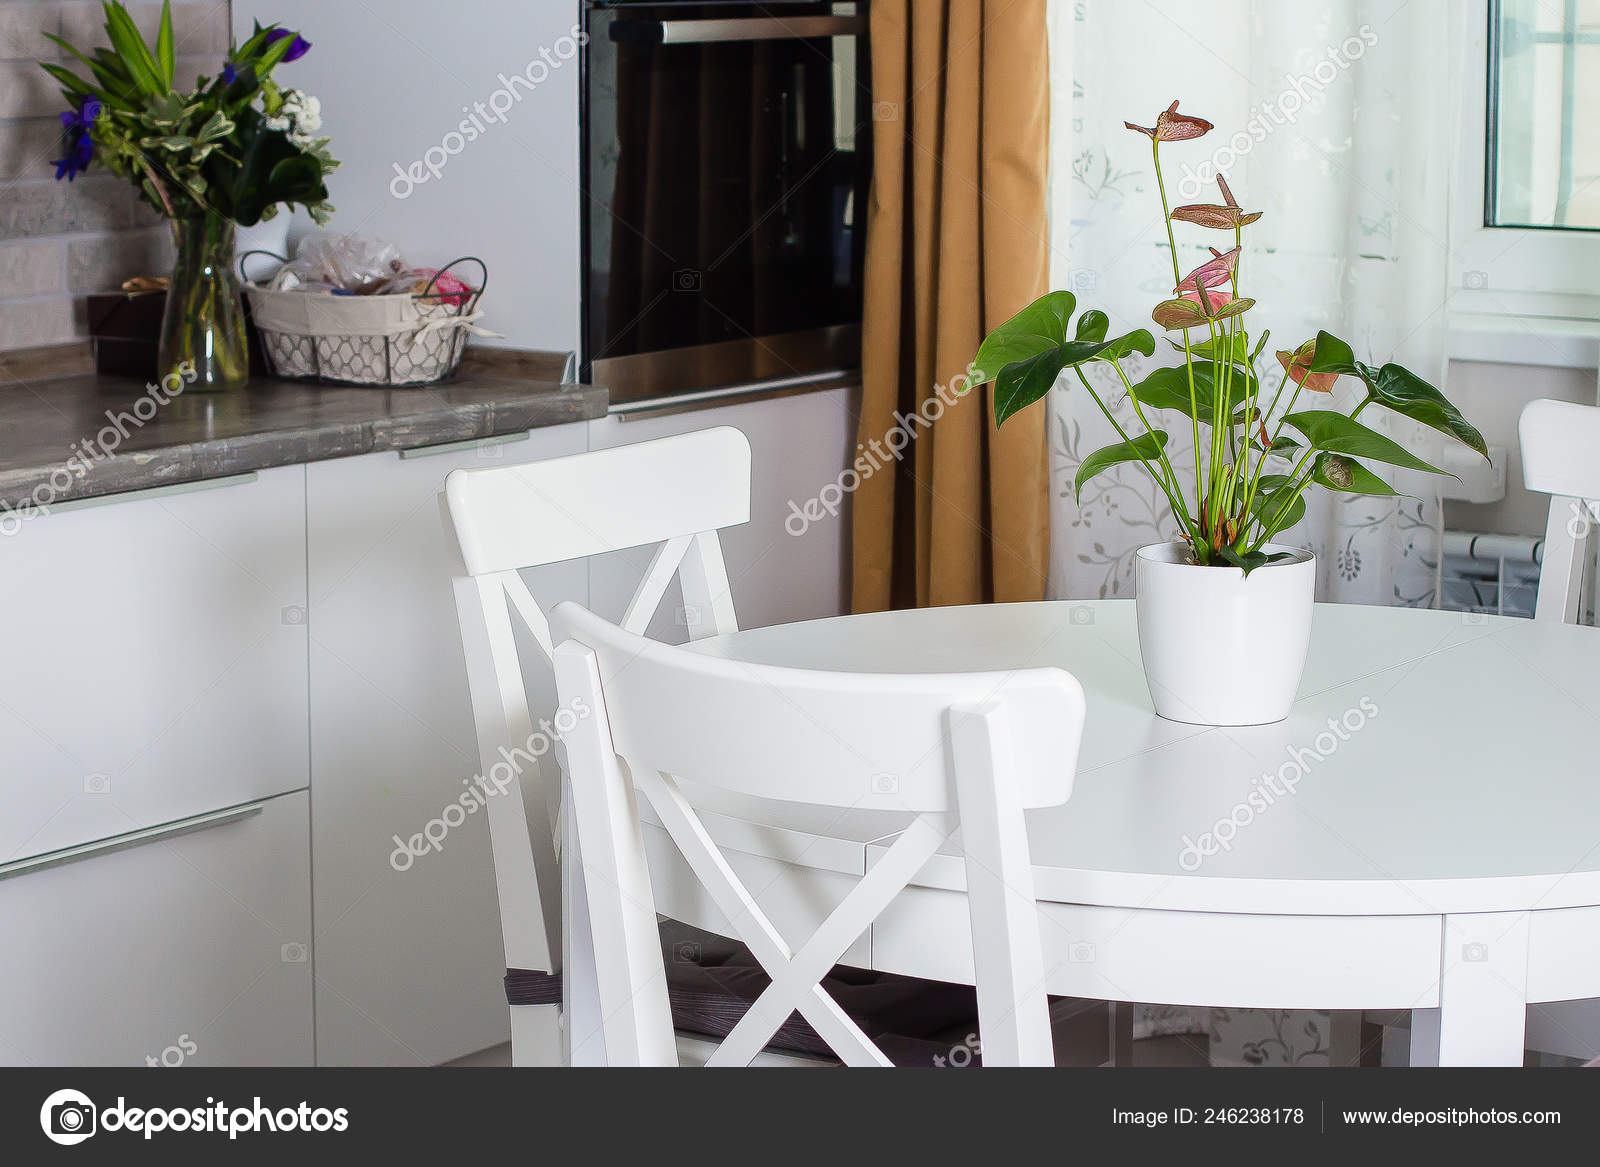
705,32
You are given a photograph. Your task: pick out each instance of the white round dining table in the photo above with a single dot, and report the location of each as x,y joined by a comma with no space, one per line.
1421,833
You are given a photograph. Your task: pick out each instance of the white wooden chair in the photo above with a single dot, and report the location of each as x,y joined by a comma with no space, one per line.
677,492
1561,457
972,751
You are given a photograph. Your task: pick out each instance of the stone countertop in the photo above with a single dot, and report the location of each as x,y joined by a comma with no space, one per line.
85,436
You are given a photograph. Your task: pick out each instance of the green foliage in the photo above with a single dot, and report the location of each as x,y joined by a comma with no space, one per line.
209,150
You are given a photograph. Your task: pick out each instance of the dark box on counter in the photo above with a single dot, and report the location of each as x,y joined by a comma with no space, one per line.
125,334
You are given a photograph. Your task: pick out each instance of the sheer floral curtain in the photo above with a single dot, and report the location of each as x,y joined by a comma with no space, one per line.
1336,119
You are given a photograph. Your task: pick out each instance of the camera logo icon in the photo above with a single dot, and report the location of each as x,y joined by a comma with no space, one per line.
1082,614
1475,280
1474,952
293,953
885,784
293,616
686,952
68,1117
97,784
686,279
1081,952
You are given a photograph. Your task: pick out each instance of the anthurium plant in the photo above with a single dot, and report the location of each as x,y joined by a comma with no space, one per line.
1254,462
236,146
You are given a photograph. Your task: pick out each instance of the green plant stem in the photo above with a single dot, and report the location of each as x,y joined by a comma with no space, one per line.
1267,414
1188,356
1166,464
1175,504
1269,526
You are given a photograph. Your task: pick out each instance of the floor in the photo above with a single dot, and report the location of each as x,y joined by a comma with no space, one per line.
1179,1051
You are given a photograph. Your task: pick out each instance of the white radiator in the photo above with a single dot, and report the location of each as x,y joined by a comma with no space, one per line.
1498,574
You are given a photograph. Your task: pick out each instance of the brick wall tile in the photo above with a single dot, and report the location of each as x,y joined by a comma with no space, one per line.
31,323
100,265
31,269
22,29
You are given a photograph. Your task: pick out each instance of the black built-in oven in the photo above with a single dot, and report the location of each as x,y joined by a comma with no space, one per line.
726,154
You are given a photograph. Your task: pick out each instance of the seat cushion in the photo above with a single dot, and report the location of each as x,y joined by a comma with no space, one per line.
712,981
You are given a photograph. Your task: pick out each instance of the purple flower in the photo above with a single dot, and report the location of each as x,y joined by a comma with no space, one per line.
229,73
75,125
297,49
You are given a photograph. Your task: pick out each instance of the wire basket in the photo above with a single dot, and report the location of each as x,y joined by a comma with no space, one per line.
400,339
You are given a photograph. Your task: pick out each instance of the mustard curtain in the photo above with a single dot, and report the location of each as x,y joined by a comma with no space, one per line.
956,242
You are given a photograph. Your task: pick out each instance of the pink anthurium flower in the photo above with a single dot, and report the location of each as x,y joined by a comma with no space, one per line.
1298,365
1227,216
1172,126
1213,273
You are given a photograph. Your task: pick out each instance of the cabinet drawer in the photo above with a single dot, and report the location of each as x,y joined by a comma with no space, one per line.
155,660
189,948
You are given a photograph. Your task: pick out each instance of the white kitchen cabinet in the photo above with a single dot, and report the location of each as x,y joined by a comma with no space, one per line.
189,946
409,963
156,652
798,445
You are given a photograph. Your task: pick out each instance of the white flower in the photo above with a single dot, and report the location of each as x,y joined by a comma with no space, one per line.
300,116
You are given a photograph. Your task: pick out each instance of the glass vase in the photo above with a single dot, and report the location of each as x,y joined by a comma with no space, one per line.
204,322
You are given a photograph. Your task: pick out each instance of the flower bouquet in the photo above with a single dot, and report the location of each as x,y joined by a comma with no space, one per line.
231,151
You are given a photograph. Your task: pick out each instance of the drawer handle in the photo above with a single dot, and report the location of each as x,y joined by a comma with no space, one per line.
199,484
188,826
464,444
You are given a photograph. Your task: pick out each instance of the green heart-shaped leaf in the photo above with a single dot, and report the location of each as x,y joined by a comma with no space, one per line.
1039,327
1336,472
1248,561
1273,493
1146,447
1169,389
1334,432
1332,355
1399,389
1093,325
1023,382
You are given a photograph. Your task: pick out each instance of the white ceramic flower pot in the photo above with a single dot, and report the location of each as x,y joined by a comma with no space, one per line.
1220,648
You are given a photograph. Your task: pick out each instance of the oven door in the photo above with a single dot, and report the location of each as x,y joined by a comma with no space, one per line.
726,161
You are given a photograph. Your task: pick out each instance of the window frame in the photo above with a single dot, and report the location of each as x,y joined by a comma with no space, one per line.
1523,295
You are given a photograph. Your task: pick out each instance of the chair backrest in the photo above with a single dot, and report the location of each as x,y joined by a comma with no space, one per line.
1561,457
677,492
972,750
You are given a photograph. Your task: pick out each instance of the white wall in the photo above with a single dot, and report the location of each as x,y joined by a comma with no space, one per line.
1492,397
393,77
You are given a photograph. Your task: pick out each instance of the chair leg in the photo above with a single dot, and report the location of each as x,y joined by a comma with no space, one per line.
535,1035
1121,1033
1353,1040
